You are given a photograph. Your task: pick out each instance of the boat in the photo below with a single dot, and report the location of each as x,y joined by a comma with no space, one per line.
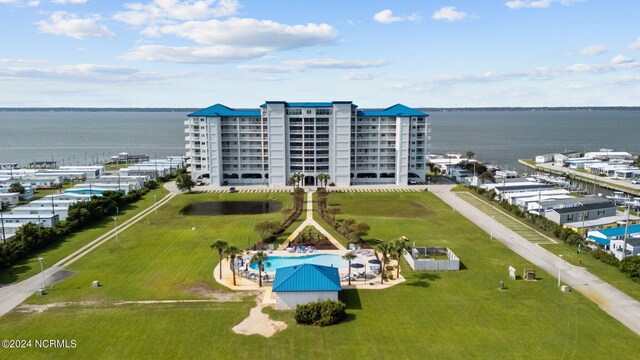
618,198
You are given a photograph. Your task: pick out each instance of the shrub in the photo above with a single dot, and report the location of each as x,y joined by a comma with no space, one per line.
630,266
605,257
320,313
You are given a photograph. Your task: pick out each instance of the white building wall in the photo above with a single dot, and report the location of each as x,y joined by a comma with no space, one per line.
213,152
340,144
289,300
278,173
402,150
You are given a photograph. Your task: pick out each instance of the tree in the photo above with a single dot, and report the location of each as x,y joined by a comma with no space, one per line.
434,170
358,230
400,245
333,210
16,187
385,249
220,246
636,162
260,258
470,154
232,252
349,256
267,229
184,182
487,176
323,178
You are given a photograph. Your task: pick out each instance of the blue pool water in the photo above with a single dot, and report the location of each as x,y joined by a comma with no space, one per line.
276,262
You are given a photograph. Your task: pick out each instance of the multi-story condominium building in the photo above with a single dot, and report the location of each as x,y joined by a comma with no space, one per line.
270,144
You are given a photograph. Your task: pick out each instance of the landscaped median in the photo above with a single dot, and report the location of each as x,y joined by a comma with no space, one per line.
457,314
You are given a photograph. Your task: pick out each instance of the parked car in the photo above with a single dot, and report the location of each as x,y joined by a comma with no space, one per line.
232,189
635,182
225,183
412,182
199,183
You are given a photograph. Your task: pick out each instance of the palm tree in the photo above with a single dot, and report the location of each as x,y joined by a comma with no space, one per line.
436,172
399,246
349,256
261,259
322,178
219,245
232,252
385,248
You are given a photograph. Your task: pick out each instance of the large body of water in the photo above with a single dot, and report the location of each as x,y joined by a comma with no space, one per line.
500,137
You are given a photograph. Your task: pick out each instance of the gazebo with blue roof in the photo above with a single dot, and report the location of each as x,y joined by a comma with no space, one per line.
301,284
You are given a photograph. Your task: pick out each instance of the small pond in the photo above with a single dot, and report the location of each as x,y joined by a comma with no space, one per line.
232,208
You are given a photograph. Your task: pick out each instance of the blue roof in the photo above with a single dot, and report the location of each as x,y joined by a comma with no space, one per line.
219,110
619,231
397,110
307,277
307,104
598,240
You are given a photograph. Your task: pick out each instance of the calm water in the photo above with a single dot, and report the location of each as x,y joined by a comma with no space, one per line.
232,207
500,137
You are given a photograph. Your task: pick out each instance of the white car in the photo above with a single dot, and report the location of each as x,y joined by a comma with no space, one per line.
636,182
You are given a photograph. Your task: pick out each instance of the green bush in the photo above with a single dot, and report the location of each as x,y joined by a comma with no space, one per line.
605,257
630,266
320,313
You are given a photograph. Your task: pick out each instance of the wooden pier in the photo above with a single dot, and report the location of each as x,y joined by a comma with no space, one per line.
587,178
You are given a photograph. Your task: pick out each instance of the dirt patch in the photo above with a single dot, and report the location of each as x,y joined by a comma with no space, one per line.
258,323
35,309
203,289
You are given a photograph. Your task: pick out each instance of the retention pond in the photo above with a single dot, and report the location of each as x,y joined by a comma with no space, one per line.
232,208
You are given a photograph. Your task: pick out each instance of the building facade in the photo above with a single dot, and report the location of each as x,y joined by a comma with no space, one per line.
270,144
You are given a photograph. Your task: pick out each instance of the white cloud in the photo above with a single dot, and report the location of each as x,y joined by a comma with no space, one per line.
539,4
64,23
79,72
635,45
64,2
22,61
252,33
193,55
360,76
386,17
449,13
20,3
593,50
231,40
167,11
294,66
621,59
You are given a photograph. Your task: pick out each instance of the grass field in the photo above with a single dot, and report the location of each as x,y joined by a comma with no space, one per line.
59,250
605,272
447,315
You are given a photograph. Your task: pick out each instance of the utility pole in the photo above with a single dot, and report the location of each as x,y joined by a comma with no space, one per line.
626,234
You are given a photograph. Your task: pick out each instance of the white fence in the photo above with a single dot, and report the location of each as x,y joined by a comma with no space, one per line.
422,258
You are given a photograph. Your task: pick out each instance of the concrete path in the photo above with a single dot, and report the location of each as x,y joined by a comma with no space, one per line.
616,303
309,221
14,294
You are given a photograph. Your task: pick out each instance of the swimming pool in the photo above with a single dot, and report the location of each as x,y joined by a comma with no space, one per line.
276,262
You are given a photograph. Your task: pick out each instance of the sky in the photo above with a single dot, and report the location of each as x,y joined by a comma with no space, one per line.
429,53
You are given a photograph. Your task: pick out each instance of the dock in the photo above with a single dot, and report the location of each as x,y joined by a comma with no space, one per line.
604,182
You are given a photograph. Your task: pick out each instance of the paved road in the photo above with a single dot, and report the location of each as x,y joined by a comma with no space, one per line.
616,303
14,294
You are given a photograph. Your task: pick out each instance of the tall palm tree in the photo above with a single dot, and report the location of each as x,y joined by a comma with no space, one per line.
261,259
219,245
349,256
232,252
327,177
321,178
385,249
399,246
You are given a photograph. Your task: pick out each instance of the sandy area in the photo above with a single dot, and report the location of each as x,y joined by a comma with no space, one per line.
259,323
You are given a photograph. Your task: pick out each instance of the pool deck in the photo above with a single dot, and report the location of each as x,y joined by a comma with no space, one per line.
247,284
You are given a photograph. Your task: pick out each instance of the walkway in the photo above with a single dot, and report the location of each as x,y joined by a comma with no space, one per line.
309,221
14,294
616,303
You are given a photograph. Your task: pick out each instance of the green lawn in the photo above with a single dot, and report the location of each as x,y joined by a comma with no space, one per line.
59,250
605,272
449,315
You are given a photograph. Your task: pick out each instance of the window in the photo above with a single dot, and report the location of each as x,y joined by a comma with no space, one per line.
323,111
294,111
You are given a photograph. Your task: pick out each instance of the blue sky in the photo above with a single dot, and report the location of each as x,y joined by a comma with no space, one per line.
195,53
